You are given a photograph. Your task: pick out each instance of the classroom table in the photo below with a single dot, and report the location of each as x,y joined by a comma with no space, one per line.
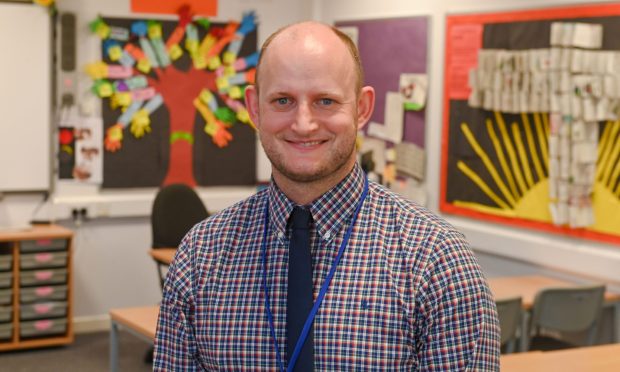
163,255
603,358
527,286
141,321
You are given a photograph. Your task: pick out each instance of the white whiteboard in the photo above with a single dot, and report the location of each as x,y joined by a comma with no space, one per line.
25,97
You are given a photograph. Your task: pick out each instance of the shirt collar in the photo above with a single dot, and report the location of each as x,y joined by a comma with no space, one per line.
329,211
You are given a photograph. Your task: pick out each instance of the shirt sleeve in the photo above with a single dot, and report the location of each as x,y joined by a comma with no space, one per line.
175,344
458,318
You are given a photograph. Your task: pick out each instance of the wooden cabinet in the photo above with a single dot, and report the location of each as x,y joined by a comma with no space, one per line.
35,287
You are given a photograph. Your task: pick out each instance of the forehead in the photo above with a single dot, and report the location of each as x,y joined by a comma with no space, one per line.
306,53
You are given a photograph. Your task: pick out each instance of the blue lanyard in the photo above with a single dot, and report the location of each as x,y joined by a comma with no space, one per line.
324,287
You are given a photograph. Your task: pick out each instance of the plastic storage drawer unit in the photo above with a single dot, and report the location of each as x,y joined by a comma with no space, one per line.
42,260
6,331
43,310
43,245
6,313
43,327
6,296
6,262
41,277
5,279
46,293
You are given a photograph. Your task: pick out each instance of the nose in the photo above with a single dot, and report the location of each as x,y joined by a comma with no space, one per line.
304,118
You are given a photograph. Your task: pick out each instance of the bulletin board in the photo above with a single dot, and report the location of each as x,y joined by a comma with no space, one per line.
394,56
388,48
25,98
498,159
191,131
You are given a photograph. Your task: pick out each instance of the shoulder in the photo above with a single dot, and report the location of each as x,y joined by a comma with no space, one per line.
208,236
417,225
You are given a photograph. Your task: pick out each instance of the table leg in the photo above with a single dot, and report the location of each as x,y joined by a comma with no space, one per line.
617,321
114,347
525,332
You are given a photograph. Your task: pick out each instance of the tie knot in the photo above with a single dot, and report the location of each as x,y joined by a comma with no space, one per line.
300,218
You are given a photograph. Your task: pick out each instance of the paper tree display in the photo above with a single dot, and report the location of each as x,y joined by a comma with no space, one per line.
142,72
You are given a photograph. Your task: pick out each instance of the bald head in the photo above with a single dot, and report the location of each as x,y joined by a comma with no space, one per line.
314,36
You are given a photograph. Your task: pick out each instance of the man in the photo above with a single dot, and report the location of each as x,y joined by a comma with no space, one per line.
391,286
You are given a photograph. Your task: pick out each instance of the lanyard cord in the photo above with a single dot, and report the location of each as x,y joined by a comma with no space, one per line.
323,291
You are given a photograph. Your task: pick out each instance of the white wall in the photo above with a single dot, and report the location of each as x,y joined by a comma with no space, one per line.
543,252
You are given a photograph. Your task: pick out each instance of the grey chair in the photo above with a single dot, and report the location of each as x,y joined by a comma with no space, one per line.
560,312
509,311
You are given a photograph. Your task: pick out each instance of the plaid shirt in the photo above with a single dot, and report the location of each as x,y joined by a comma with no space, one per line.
408,293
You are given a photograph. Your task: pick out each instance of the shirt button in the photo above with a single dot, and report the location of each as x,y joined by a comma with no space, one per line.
327,235
280,234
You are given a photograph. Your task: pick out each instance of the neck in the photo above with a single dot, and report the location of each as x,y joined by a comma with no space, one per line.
304,193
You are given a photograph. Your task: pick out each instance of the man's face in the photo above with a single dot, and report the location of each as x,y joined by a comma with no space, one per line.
308,108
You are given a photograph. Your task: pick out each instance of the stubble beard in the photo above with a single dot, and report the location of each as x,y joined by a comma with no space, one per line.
338,158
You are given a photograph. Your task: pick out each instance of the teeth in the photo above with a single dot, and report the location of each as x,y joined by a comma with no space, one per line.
310,143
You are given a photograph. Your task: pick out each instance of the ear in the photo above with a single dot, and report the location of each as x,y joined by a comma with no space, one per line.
251,104
365,106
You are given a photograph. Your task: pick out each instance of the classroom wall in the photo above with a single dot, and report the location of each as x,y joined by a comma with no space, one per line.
111,266
502,250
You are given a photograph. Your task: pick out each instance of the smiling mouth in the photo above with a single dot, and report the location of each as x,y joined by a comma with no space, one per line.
306,143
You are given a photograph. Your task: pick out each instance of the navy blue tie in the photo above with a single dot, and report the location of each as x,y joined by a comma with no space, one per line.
299,297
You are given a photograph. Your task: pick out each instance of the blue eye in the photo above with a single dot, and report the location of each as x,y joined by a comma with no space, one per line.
282,101
326,101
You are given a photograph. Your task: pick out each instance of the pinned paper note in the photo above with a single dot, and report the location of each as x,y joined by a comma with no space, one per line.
89,151
410,160
394,115
413,88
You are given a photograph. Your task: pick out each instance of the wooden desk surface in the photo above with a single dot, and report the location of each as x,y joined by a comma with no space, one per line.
604,358
528,286
163,255
35,232
141,319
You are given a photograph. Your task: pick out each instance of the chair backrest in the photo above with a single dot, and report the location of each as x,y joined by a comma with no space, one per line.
573,309
509,311
176,209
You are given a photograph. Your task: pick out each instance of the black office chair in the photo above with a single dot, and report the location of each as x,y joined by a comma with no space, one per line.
176,209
